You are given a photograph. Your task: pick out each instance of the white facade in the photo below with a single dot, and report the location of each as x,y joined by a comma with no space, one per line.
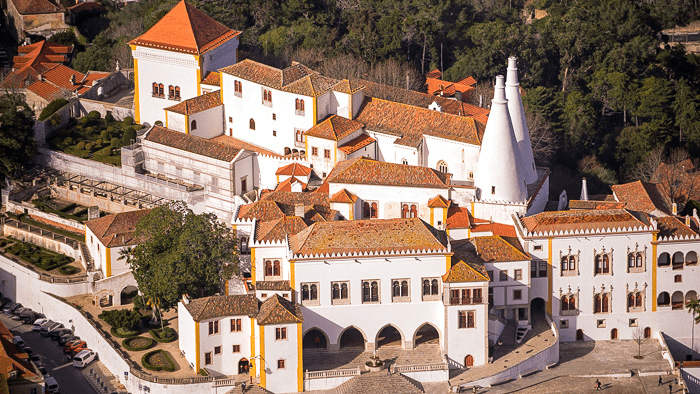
517,114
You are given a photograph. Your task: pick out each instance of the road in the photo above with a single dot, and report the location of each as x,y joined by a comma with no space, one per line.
69,378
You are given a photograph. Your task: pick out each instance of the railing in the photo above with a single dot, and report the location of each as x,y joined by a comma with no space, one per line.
466,301
333,373
419,367
52,279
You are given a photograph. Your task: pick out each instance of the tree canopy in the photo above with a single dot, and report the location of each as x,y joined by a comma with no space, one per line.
181,253
17,143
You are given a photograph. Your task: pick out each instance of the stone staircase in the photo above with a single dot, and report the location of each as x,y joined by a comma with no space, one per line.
380,383
507,337
86,254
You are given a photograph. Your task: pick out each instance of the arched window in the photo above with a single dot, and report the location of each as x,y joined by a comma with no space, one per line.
564,264
304,292
171,92
565,303
365,292
404,210
678,260
572,263
177,92
442,166
244,244
268,268
630,260
638,300
396,289
313,292
276,268
404,288
630,300
606,264
596,304
414,211
664,259
663,299
301,105
237,88
604,303
598,267
639,260
296,104
251,124
155,89
691,258
161,90
344,291
404,161
434,287
193,125
426,287
336,291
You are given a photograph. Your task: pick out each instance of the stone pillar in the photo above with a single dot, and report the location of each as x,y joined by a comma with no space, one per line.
93,212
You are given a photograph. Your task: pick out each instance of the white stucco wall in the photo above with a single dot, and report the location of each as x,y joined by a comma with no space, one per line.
281,380
210,123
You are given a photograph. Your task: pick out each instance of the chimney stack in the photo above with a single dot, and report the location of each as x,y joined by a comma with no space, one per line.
517,116
299,210
72,79
687,220
675,208
584,189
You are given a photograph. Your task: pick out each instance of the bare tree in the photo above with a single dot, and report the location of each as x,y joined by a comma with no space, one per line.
646,169
678,176
544,142
638,336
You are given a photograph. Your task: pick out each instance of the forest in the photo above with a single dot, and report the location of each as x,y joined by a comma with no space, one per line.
604,90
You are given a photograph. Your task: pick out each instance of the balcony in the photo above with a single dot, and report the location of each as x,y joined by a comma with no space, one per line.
466,301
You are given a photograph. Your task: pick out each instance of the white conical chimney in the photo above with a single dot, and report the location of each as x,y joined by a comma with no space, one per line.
584,189
517,116
498,175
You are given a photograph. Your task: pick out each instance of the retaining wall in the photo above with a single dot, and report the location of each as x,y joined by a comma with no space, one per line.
49,218
44,241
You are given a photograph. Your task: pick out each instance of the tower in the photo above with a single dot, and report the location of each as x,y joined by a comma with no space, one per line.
499,174
517,116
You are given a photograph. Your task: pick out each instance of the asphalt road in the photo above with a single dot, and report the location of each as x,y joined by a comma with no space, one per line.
69,378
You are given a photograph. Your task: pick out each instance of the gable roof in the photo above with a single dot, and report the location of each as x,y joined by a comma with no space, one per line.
595,204
34,59
260,210
117,229
279,229
294,169
60,75
45,90
369,236
343,196
642,196
193,144
213,78
280,204
240,144
487,226
498,249
286,185
439,202
366,171
219,306
278,310
185,29
465,272
411,123
356,144
334,128
29,7
584,220
672,227
197,104
296,78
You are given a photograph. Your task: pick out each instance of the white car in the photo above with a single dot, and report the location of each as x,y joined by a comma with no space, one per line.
38,323
83,358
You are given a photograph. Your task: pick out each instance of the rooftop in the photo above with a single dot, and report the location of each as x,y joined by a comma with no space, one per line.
466,272
498,248
220,306
356,144
33,60
117,229
29,7
334,128
278,310
296,78
642,196
584,220
279,229
197,104
294,169
193,144
366,171
672,227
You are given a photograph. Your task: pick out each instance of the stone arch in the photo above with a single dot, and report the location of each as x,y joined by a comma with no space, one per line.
663,299
677,300
678,260
243,365
104,298
389,336
664,259
691,258
426,333
692,295
350,337
315,338
127,294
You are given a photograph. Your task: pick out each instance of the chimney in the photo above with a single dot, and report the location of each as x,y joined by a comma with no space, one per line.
72,79
299,210
185,299
687,220
584,189
675,208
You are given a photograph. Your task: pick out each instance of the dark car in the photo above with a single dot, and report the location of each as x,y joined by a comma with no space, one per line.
67,338
35,357
9,307
44,372
4,301
20,310
56,334
28,350
30,319
15,307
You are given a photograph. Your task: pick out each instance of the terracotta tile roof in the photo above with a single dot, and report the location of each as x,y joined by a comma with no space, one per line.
280,204
366,171
213,78
185,29
591,204
286,185
279,229
642,196
60,75
356,144
670,226
240,144
197,104
260,210
29,7
45,90
93,76
278,310
368,236
411,123
12,359
222,306
323,189
433,74
291,199
468,81
437,86
458,217
296,78
190,143
347,86
584,220
497,249
294,169
33,60
503,230
343,196
439,202
463,272
273,285
334,128
117,229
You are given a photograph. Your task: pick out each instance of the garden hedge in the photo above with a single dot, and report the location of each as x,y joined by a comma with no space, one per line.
168,334
166,358
127,343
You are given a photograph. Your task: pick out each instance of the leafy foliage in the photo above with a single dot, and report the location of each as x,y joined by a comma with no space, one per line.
17,144
52,107
121,318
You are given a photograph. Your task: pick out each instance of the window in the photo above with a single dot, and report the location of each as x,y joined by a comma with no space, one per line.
207,358
493,189
517,294
244,185
267,97
518,274
503,276
236,348
677,278
600,323
564,323
370,210
404,161
635,262
217,350
274,133
602,264
272,269
569,265
663,299
171,92
299,107
155,90
601,303
537,247
251,124
237,88
409,211
634,302
161,90
314,151
340,293
326,153
568,304
467,319
634,322
274,116
431,289
309,294
236,325
193,125
281,333
490,274
543,269
442,166
230,119
213,327
370,291
280,364
400,290
244,245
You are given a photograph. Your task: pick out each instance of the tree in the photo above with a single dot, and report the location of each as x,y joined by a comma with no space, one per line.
678,177
544,142
17,143
693,308
181,253
638,336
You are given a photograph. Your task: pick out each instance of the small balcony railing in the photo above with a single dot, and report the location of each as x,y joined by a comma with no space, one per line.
466,301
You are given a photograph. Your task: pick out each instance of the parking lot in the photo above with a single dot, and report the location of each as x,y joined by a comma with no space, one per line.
69,378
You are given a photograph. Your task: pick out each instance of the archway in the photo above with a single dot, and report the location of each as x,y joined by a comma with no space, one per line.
678,260
647,332
691,258
127,294
677,300
692,295
664,259
663,299
352,338
389,336
537,309
426,334
469,361
314,339
613,333
243,366
579,335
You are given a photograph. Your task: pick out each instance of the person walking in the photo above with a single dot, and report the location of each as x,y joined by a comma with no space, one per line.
597,385
661,381
670,388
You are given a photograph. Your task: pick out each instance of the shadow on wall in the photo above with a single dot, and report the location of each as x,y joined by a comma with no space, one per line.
680,347
8,285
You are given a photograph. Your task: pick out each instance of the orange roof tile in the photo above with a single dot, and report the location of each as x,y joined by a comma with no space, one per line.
286,185
439,202
347,86
411,123
356,144
463,272
593,204
366,171
45,90
190,143
33,60
117,229
261,210
343,196
222,306
294,169
368,236
279,229
240,144
584,220
498,249
213,78
458,217
642,196
197,104
323,189
296,78
670,226
433,74
29,7
503,230
60,75
94,76
185,29
279,204
278,310
334,128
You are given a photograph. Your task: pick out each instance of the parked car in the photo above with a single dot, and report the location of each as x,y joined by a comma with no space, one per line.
56,334
60,326
68,347
38,323
17,340
51,386
77,350
28,350
4,301
18,305
45,329
44,372
84,358
9,307
36,359
18,311
67,338
31,319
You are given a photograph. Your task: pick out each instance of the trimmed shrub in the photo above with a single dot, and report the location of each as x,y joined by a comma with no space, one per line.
81,145
94,115
68,141
159,123
121,318
89,146
129,135
68,270
115,142
136,344
164,336
158,360
123,332
105,135
128,121
109,117
52,108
